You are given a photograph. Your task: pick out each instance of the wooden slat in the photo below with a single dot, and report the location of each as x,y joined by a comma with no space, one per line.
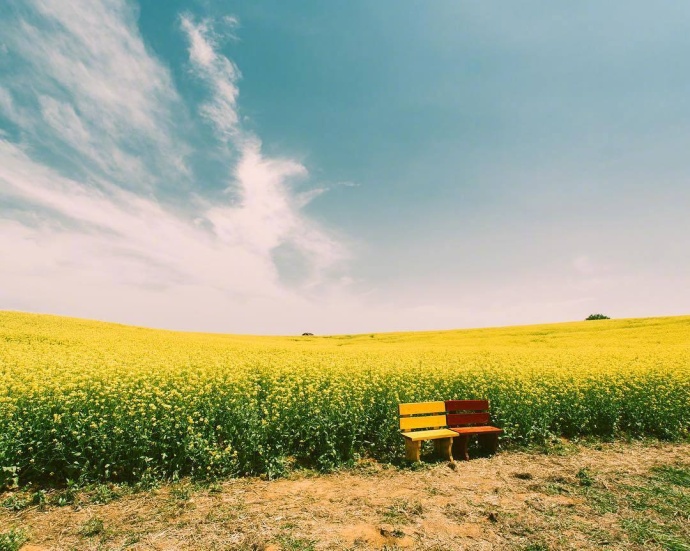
466,405
455,419
476,430
427,422
429,434
421,407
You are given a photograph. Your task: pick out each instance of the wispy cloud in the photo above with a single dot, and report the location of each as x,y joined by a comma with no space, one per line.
268,211
86,210
88,86
219,73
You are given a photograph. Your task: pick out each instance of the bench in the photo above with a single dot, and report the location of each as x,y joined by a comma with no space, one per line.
471,418
425,421
449,424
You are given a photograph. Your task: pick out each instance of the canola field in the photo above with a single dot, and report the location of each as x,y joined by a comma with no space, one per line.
88,401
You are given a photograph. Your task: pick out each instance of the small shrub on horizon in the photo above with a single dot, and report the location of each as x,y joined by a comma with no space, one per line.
597,317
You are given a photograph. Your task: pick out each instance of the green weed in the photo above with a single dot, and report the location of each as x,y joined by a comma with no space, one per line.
12,540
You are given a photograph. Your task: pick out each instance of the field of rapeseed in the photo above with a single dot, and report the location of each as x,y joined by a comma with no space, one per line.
83,400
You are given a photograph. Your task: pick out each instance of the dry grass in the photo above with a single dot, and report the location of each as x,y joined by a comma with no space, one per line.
621,496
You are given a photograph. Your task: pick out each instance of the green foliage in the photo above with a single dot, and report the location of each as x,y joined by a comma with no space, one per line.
9,476
584,476
12,540
535,547
648,533
290,543
103,494
402,511
670,474
653,508
597,317
92,527
15,503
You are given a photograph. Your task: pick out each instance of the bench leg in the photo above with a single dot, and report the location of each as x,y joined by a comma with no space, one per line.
460,447
412,449
444,448
490,443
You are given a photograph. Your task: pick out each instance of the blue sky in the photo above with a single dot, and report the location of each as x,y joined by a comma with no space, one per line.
345,166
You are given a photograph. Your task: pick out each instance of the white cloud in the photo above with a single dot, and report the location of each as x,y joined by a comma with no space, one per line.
219,73
123,238
99,57
268,214
100,92
81,219
9,108
6,103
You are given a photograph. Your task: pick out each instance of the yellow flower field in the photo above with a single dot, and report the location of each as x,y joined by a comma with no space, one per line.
84,400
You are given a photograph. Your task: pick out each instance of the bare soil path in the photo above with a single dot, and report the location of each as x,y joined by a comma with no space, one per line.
617,496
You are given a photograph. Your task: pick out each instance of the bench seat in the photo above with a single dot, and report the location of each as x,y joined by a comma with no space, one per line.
429,434
476,430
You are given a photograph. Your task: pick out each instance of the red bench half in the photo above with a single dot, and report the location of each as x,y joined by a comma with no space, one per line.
469,418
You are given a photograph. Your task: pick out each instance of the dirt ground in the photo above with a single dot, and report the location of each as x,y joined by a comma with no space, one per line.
574,497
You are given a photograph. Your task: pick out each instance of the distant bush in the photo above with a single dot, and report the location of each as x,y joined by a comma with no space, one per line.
597,317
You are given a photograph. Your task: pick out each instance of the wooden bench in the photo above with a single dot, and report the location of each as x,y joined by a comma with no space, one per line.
425,421
469,418
449,424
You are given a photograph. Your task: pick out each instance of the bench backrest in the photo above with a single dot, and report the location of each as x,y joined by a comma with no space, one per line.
422,415
467,412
